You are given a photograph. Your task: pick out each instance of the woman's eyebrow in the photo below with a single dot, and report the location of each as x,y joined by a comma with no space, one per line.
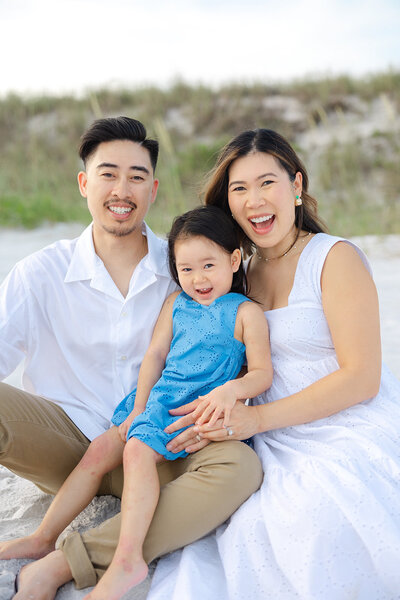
257,178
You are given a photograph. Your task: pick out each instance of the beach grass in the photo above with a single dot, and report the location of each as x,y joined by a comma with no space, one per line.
345,129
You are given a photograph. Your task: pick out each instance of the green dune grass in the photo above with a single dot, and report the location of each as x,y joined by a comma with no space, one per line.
346,130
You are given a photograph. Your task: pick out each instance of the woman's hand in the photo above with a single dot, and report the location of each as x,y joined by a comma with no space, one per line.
244,422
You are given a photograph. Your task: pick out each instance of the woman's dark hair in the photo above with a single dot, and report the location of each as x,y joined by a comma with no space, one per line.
212,223
116,128
269,142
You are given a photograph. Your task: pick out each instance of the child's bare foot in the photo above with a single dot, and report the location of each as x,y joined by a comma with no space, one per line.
41,579
120,577
30,546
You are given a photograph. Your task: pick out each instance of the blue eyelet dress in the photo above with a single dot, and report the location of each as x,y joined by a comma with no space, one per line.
203,355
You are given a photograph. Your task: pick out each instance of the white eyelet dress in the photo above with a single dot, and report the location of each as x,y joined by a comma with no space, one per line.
325,524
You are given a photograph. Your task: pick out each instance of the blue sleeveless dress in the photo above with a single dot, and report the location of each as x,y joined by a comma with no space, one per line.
203,355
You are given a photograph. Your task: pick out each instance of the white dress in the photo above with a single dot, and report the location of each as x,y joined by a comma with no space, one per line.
325,524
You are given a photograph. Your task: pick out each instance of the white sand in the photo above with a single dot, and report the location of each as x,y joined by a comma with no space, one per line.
22,506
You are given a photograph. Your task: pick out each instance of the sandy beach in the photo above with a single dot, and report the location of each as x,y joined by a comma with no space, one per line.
22,505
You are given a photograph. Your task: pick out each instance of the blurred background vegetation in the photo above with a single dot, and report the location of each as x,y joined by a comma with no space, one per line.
346,131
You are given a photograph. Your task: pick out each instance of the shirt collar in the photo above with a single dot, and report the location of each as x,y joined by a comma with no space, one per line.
156,260
85,262
84,258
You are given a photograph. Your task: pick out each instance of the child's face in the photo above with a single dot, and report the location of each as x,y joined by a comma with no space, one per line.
205,270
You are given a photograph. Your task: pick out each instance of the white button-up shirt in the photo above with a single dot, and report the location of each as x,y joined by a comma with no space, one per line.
82,341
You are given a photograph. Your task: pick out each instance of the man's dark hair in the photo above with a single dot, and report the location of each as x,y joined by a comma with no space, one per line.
116,128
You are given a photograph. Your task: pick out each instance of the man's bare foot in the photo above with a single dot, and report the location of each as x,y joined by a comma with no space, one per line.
26,547
120,577
41,579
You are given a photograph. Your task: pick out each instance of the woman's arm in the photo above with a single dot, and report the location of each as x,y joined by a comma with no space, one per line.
350,304
153,362
252,329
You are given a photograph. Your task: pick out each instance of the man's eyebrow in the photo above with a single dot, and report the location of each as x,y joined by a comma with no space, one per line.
108,165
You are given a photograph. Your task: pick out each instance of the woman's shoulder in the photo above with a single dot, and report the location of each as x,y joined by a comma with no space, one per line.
325,240
324,255
331,248
344,262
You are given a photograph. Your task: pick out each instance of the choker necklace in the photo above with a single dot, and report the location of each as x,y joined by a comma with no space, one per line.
293,245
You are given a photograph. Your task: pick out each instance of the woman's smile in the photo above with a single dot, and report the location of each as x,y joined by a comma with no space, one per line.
262,224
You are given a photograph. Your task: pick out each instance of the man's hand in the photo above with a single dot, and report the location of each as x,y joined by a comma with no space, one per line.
244,423
187,419
188,440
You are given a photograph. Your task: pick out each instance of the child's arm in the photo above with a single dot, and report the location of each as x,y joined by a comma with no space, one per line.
153,362
252,329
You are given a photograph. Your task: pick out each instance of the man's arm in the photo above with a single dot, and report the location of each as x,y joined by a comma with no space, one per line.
153,362
14,322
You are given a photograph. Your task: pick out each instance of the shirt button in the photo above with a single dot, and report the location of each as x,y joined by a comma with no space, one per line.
123,314
123,357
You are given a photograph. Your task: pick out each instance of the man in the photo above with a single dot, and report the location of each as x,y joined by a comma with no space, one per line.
81,313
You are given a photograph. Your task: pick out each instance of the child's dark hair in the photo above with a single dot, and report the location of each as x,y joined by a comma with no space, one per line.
212,223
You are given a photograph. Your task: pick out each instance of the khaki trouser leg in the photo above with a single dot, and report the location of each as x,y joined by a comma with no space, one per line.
38,441
198,493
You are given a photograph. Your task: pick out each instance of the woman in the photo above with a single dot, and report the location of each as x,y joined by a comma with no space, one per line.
326,521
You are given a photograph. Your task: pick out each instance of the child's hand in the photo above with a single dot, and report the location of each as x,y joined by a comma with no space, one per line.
124,427
216,403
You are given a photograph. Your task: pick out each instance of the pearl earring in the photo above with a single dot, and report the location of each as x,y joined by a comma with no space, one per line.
298,201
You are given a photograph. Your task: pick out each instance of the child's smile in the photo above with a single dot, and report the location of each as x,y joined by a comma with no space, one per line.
205,270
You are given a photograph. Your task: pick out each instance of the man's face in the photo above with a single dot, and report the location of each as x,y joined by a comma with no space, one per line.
119,186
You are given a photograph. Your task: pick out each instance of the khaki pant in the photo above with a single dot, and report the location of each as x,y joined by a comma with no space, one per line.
40,443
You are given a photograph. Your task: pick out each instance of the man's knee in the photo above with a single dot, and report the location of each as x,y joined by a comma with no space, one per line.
215,482
245,459
249,468
38,441
235,461
8,413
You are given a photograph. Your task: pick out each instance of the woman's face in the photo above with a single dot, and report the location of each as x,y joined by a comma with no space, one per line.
262,199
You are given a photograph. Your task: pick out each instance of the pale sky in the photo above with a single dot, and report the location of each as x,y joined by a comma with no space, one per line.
59,46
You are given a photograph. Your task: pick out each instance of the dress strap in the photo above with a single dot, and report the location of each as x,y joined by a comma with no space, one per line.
311,263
